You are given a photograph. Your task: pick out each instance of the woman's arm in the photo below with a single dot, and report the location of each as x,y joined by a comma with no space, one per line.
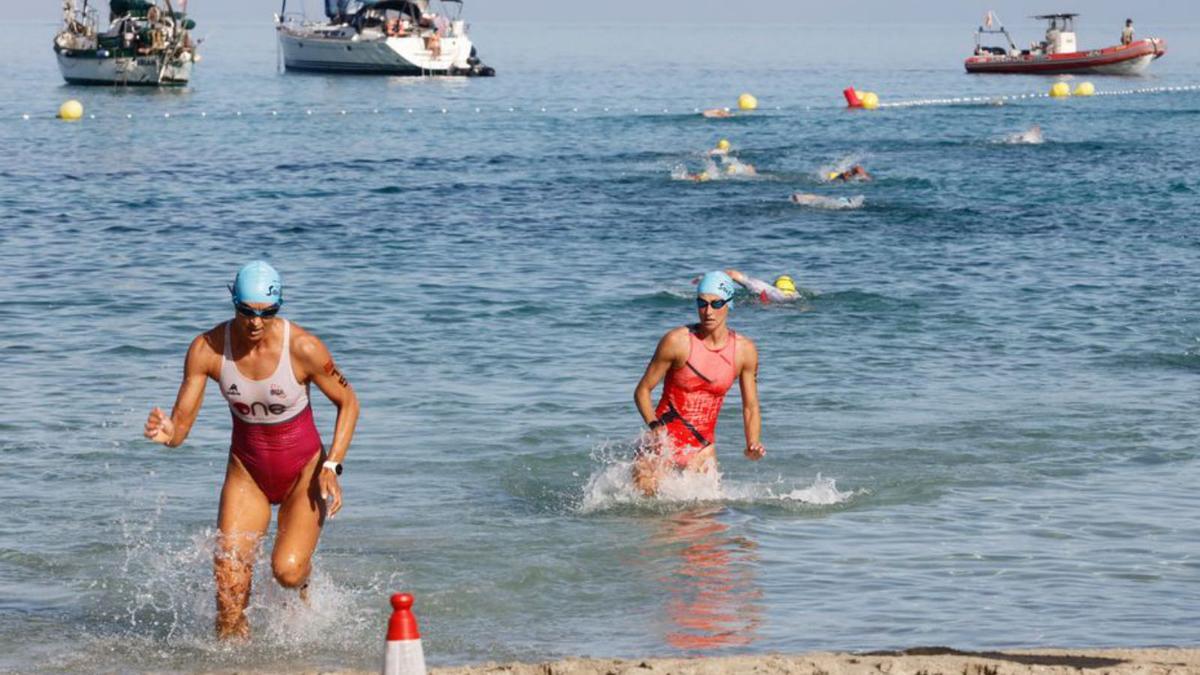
751,415
667,354
173,431
318,366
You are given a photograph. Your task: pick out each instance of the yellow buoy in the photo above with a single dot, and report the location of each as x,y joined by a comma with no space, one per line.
1060,90
747,102
870,100
723,145
71,110
1084,89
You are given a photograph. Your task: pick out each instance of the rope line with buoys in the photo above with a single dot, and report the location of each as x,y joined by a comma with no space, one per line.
1084,89
73,110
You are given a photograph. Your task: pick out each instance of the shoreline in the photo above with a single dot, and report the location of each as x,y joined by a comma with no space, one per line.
915,661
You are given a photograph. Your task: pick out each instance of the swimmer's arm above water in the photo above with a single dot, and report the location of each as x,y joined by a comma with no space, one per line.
758,286
197,368
751,415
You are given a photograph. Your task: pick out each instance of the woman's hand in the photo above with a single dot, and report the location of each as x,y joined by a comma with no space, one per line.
755,451
160,428
330,487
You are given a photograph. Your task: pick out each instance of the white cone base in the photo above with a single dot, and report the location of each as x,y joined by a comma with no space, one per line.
403,657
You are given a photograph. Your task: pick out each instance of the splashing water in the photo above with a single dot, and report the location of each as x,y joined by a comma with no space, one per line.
831,203
611,485
158,608
710,172
1031,136
736,168
839,166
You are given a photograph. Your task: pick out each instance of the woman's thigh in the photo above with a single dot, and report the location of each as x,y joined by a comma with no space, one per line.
300,517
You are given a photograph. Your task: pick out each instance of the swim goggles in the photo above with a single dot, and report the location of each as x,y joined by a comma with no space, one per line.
247,310
701,303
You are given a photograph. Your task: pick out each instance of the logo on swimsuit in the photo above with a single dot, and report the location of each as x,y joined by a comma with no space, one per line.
258,407
277,391
233,390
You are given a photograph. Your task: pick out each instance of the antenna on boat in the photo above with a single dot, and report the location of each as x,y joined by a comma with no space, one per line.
169,52
988,20
278,46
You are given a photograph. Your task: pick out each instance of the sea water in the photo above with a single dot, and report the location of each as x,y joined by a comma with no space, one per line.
980,424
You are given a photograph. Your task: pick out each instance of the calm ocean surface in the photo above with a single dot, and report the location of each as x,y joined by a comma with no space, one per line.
981,428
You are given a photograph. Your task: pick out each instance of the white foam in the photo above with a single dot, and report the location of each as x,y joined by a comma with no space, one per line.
160,605
1031,136
839,165
611,485
830,203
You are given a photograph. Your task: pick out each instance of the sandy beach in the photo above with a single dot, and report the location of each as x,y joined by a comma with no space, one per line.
919,661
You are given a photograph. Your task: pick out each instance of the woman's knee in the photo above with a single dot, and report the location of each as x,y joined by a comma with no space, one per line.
289,570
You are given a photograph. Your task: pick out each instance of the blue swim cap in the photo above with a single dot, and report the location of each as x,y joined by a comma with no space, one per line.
717,283
257,282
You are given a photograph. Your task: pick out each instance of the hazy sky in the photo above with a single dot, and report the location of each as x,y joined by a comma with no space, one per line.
1151,13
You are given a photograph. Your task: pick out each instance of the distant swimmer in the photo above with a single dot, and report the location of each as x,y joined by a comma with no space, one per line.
717,113
1031,136
722,148
736,167
782,290
856,172
823,202
264,365
699,363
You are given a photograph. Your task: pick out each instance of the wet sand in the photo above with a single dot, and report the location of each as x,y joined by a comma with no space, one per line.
920,661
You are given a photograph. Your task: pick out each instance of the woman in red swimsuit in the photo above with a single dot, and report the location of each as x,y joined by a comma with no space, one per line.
700,363
264,365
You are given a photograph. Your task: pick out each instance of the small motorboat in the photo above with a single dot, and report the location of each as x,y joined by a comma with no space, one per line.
388,37
1058,54
147,43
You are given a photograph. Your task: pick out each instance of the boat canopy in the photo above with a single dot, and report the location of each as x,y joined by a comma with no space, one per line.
346,8
124,7
1056,16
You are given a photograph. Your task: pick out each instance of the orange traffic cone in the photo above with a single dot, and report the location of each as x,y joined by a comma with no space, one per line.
403,654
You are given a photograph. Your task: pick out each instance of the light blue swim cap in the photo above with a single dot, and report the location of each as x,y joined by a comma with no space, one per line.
717,283
257,282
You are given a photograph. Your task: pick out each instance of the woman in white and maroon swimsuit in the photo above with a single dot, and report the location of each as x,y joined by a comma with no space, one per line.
264,366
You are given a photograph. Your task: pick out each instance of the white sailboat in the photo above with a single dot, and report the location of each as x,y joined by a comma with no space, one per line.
146,44
392,37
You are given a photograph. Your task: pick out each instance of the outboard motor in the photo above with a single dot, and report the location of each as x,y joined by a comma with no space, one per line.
477,69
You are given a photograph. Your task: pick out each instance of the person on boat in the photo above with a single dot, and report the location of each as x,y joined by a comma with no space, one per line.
1052,34
783,289
1127,32
264,365
856,172
699,364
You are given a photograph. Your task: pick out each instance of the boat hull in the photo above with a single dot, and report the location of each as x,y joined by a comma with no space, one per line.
92,68
404,56
1131,59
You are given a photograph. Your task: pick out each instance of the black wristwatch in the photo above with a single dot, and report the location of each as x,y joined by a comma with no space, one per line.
654,424
335,467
